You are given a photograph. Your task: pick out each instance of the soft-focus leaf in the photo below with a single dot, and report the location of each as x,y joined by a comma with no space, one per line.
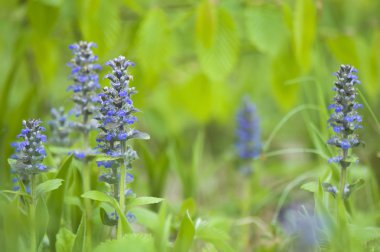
304,30
153,42
79,242
106,220
48,186
65,240
98,196
285,94
218,60
146,217
130,242
310,186
219,238
140,201
266,29
199,86
205,24
42,219
55,201
95,27
185,235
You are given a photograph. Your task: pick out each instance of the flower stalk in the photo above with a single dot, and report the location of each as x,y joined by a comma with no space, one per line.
116,117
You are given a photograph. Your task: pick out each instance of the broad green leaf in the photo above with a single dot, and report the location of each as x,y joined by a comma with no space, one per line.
21,193
130,242
344,48
134,6
51,2
188,205
55,201
79,242
65,240
42,17
219,238
146,217
102,197
144,201
185,235
200,87
95,27
285,94
205,24
98,196
218,60
304,31
59,150
42,220
48,186
153,42
310,186
265,28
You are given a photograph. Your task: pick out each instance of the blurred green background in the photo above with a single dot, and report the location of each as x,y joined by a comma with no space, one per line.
194,62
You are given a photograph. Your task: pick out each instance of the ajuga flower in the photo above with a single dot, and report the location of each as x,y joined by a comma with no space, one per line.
30,151
345,119
248,143
60,127
86,81
116,117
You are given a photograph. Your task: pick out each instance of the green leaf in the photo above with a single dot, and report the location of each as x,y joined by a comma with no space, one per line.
189,206
95,27
205,23
266,29
65,240
106,220
79,242
101,157
219,238
56,200
310,186
146,217
155,25
102,197
198,85
140,135
304,30
144,201
185,235
42,220
21,193
48,186
130,242
286,95
98,196
218,60
353,187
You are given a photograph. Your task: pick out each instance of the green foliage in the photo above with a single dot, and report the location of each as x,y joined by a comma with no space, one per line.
194,62
185,235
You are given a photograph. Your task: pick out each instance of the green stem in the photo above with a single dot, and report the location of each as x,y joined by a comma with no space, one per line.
246,204
32,213
341,202
123,170
86,172
343,178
